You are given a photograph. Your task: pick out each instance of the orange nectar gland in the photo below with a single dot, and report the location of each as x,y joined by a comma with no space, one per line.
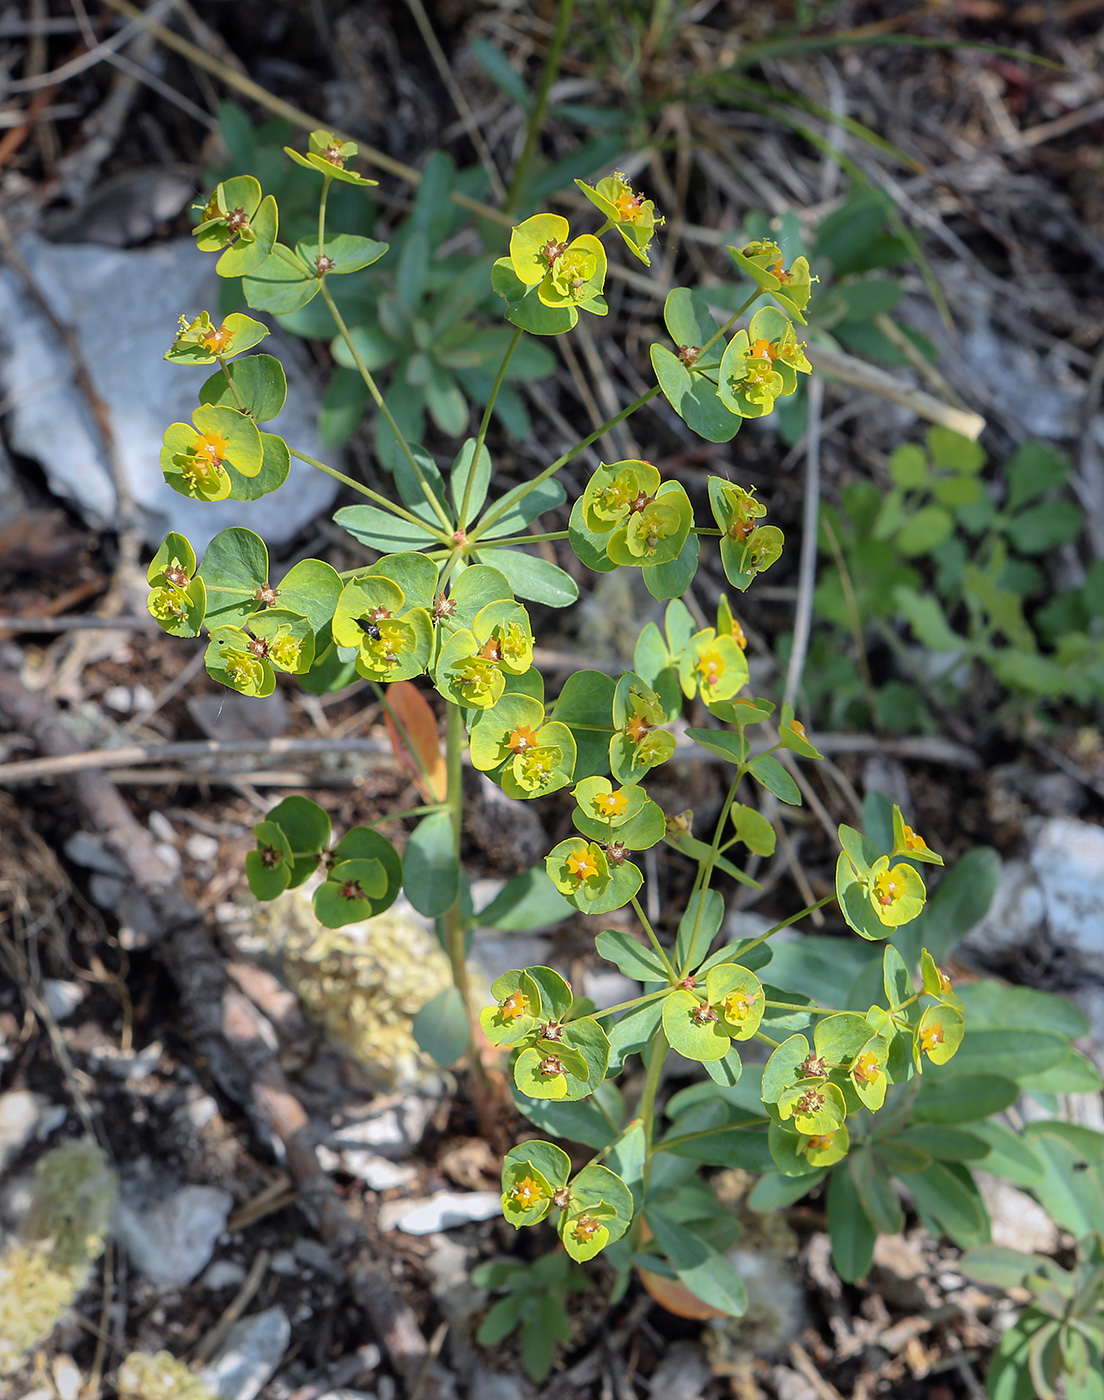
610,804
637,727
711,666
944,980
217,339
798,728
212,446
738,635
777,270
866,1068
761,350
628,206
514,1006
887,888
585,1228
931,1036
527,1193
521,738
913,842
582,865
819,1142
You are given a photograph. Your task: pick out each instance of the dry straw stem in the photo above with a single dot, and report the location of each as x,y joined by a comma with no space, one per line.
833,364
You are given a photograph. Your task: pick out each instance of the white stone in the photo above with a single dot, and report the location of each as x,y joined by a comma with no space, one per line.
444,1211
393,1130
89,851
223,1273
19,1115
171,1241
283,1262
1017,1221
608,987
123,305
161,829
1067,857
248,1359
344,1394
376,1172
119,698
312,1254
62,998
200,847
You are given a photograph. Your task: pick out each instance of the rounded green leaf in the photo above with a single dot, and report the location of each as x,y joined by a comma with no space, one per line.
261,386
526,1193
362,843
307,828
244,256
346,896
939,1034
269,867
235,572
596,1184
739,998
694,1028
551,1161
517,1011
816,1106
431,872
784,1067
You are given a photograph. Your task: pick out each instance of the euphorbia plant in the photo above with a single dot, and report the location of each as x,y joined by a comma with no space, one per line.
841,1087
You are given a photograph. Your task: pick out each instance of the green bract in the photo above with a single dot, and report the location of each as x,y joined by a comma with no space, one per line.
634,218
236,215
194,459
327,154
178,600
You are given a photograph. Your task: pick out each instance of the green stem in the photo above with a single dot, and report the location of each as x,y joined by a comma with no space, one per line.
656,944
540,106
801,914
507,503
233,387
481,437
656,1056
629,1005
527,539
705,869
455,931
389,418
510,500
387,505
326,181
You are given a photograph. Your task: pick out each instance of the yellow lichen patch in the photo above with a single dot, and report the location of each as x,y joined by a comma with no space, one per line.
362,984
159,1377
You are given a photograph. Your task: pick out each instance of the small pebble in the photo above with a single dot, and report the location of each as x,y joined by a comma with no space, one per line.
202,848
161,828
62,998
